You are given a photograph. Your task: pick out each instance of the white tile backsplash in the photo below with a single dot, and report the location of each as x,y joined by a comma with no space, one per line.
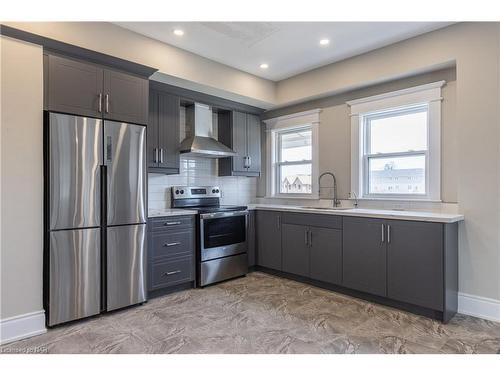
199,171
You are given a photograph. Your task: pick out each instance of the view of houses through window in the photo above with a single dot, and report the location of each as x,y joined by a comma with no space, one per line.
295,161
396,151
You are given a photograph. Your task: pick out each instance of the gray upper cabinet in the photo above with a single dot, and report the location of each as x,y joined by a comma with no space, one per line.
163,132
325,263
268,231
364,255
415,263
253,144
125,97
241,132
73,87
295,253
87,89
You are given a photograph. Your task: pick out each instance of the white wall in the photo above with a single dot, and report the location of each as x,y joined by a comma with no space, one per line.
21,184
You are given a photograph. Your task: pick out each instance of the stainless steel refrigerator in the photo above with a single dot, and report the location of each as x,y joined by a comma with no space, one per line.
95,216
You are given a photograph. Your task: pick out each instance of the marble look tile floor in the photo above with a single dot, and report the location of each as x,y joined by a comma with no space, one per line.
261,313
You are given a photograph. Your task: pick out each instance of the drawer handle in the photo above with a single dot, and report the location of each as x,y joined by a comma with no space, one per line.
171,273
168,244
172,223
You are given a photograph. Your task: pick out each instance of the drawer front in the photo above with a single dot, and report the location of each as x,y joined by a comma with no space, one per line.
172,243
171,222
313,220
171,273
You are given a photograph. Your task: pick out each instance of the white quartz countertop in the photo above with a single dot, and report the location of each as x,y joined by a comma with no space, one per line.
170,212
366,212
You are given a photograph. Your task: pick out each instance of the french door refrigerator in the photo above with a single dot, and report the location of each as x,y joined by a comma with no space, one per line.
95,216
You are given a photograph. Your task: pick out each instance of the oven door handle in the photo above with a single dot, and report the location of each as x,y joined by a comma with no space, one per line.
216,215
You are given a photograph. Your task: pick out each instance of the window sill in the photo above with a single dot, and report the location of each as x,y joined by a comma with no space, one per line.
291,197
399,199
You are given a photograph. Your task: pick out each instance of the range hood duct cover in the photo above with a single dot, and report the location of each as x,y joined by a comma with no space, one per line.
199,139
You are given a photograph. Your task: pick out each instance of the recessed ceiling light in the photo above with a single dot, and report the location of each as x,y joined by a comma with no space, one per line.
264,66
324,42
178,32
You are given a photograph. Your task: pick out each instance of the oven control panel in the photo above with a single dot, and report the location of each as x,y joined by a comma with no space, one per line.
186,192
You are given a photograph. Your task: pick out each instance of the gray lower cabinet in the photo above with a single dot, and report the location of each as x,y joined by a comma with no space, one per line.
295,243
268,232
325,261
407,261
252,246
171,251
312,246
87,89
364,255
415,263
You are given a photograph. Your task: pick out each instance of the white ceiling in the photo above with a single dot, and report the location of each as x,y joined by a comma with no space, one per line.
288,47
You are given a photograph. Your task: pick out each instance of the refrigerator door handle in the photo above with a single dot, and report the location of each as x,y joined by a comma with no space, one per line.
109,148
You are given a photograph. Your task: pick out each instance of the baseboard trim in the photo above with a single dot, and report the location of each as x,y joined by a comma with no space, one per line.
480,307
22,326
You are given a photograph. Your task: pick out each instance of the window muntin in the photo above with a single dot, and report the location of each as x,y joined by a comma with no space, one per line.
294,161
396,152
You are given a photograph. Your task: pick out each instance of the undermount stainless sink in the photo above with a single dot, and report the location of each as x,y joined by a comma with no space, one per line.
327,208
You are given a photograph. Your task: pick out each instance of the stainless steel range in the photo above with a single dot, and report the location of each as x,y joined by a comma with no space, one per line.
221,233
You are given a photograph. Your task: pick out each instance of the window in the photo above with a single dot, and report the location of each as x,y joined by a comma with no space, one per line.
396,144
293,155
294,161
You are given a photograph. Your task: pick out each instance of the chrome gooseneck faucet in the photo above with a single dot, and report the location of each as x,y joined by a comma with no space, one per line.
336,201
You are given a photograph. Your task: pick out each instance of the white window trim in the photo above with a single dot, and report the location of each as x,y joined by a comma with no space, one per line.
429,94
289,122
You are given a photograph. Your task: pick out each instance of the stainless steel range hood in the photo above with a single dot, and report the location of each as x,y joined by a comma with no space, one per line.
199,139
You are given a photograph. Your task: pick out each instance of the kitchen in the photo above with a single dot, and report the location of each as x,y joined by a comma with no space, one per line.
327,208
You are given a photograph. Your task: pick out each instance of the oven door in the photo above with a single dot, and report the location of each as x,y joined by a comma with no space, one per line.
223,234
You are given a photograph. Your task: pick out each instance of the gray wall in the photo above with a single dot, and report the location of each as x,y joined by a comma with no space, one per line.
335,133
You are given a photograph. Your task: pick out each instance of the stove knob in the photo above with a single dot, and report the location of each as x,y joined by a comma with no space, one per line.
182,191
217,190
177,192
213,190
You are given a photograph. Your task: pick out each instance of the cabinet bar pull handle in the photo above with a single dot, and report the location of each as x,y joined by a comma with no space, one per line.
168,244
172,223
383,233
310,238
306,233
249,158
100,103
388,234
156,155
171,273
107,103
161,155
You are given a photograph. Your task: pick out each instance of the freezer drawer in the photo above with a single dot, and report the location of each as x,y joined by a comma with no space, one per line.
75,157
74,274
126,265
125,151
